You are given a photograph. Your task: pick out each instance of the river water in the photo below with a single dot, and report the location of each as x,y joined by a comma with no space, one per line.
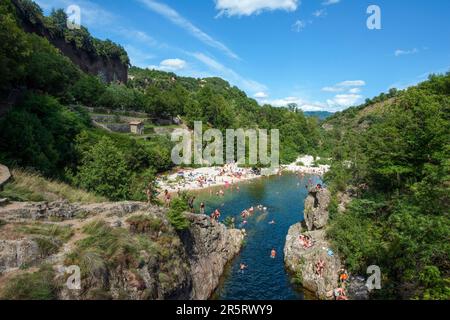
265,278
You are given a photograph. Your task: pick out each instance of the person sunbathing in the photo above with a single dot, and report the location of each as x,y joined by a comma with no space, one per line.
339,294
320,266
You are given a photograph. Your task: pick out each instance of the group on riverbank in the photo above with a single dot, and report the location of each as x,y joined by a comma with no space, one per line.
230,174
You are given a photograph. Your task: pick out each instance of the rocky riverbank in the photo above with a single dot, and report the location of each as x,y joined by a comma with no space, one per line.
302,260
125,250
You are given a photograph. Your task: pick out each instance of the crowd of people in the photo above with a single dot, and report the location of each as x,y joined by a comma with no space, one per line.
200,178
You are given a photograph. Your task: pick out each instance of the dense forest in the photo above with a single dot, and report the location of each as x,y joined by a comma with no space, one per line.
393,155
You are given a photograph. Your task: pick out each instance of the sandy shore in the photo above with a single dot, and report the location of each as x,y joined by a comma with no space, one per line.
202,178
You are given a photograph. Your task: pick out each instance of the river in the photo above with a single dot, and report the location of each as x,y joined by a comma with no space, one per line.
265,278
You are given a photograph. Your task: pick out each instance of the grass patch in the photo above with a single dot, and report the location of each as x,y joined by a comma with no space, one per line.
47,246
62,234
145,224
28,186
106,247
39,285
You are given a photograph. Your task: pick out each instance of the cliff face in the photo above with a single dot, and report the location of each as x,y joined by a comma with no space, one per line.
146,261
109,70
209,247
316,209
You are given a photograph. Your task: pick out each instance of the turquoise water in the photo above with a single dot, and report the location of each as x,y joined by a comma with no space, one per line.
265,278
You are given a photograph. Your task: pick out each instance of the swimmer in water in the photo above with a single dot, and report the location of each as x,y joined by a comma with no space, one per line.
273,254
242,267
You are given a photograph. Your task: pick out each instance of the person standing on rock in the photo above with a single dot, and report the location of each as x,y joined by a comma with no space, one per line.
191,204
202,208
149,193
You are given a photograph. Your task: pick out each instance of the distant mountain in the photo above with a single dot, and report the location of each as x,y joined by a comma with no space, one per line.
322,115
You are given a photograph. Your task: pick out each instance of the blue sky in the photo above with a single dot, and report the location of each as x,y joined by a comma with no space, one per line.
316,53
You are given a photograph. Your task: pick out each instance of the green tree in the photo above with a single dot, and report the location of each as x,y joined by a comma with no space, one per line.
104,171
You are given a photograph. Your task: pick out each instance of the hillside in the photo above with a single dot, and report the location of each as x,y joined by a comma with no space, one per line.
321,115
389,180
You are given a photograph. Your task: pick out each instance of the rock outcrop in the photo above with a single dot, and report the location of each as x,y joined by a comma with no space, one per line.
5,175
153,262
316,209
63,210
18,253
209,247
302,261
357,288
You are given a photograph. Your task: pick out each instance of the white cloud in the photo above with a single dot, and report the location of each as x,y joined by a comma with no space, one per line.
333,89
249,7
172,15
320,13
299,25
170,65
229,74
261,95
344,100
173,64
330,2
301,103
352,83
400,52
355,90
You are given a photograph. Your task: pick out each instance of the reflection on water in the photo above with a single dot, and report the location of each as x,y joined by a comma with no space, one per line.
265,278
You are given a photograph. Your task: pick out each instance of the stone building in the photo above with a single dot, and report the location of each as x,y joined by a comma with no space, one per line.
137,127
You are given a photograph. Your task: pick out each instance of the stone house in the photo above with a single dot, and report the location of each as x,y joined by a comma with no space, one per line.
137,127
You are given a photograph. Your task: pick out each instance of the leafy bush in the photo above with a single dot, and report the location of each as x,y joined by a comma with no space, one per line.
176,214
104,171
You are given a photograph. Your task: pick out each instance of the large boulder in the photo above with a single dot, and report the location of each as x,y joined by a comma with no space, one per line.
357,288
209,247
301,262
316,209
